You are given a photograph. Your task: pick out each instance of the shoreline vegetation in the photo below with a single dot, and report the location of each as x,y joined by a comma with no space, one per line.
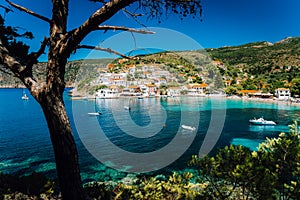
234,172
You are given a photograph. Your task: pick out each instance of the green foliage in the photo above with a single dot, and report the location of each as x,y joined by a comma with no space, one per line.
9,36
34,184
260,54
231,90
273,172
248,84
282,157
229,174
97,190
295,89
198,80
175,187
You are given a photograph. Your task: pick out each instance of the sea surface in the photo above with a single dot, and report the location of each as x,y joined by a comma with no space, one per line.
119,140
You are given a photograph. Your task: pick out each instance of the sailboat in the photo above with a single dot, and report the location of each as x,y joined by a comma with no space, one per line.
24,97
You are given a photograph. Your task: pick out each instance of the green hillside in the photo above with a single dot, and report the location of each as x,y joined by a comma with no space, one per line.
283,53
261,65
263,58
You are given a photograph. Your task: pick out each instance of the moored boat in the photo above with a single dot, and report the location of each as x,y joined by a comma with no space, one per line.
25,97
94,113
126,107
191,128
261,121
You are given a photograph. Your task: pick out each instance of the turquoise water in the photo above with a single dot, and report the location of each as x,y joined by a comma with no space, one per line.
25,144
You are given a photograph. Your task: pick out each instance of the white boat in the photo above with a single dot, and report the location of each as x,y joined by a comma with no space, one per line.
126,107
94,113
261,121
191,128
25,97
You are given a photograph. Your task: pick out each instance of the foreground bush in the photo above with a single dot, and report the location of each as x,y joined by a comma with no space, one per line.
26,187
273,172
175,187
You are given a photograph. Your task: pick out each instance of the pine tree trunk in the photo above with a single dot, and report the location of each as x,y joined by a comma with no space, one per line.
64,146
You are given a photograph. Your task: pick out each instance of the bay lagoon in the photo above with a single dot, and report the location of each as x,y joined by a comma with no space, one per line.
25,144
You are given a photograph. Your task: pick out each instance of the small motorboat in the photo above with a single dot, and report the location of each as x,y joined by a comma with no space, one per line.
25,97
126,107
94,113
261,121
190,128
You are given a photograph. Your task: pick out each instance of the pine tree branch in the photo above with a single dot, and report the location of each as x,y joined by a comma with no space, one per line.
6,9
123,28
104,49
29,12
132,14
91,24
33,57
16,68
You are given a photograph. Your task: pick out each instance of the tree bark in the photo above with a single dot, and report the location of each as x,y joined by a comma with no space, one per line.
64,146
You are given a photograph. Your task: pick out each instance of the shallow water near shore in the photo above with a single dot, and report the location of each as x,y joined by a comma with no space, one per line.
25,144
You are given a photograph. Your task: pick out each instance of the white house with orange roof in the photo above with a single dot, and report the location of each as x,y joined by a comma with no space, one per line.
152,89
196,89
118,79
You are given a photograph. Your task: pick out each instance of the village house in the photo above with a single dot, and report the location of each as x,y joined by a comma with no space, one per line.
104,78
132,90
283,93
196,89
118,79
112,79
161,81
174,91
152,89
108,93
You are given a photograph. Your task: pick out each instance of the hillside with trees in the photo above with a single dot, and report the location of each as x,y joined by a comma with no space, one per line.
260,66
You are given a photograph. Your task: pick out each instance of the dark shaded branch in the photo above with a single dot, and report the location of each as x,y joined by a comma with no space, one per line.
132,14
18,70
6,9
104,49
33,57
122,28
29,12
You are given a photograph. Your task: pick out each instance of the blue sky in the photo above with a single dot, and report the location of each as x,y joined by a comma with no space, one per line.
224,22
